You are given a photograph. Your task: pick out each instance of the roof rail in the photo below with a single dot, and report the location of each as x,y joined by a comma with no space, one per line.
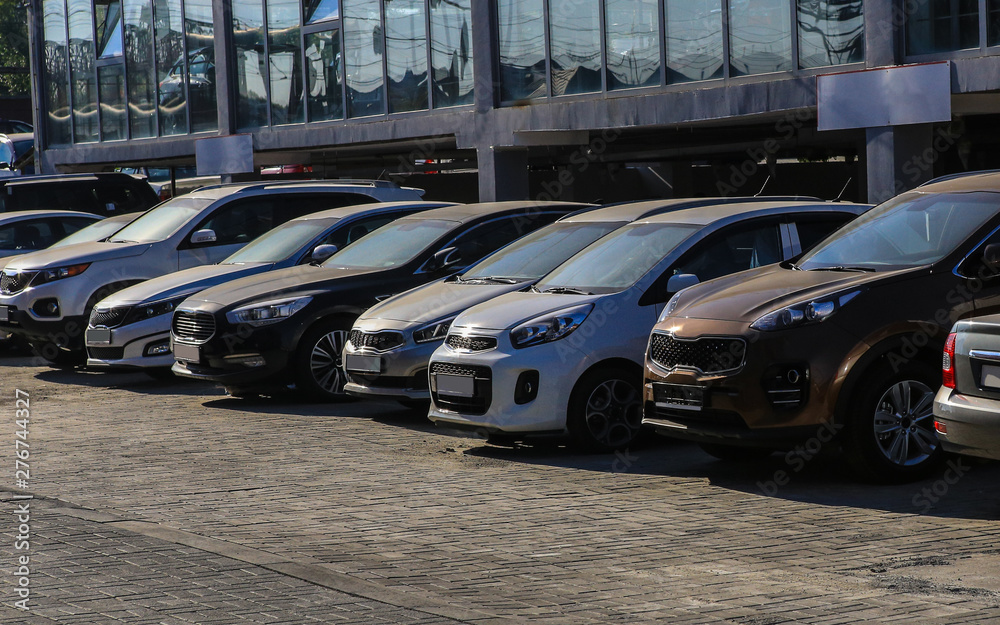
964,174
260,184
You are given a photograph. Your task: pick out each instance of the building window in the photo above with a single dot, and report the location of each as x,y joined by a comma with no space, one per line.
364,50
760,37
325,72
250,61
141,69
942,26
111,91
993,22
831,32
199,33
322,10
56,89
451,52
522,49
168,28
632,33
406,54
83,71
694,40
108,18
285,62
575,47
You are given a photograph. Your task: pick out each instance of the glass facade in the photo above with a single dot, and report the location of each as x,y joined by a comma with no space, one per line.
56,63
325,71
111,91
364,50
633,43
760,37
694,40
168,27
830,32
575,47
199,35
522,49
451,52
406,54
250,64
141,69
285,62
942,26
83,72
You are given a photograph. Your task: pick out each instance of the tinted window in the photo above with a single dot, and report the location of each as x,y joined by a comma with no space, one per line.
33,234
240,222
735,249
280,243
392,245
812,230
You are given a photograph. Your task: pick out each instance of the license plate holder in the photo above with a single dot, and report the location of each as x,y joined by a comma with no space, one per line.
187,353
456,385
679,396
990,376
98,336
363,364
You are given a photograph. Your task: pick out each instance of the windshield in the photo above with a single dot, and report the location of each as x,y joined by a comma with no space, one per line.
535,255
94,232
391,245
162,221
912,230
617,261
281,242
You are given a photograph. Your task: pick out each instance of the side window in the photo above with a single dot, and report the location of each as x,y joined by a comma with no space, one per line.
484,239
240,222
357,229
71,225
124,197
34,234
812,230
737,248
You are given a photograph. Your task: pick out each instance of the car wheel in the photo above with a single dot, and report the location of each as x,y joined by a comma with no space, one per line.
605,410
730,453
319,360
890,433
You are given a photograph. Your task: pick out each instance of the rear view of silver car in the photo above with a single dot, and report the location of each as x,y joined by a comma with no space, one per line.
967,407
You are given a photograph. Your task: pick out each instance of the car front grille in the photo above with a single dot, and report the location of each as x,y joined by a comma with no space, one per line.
479,403
108,317
708,355
379,341
106,353
471,343
14,282
193,327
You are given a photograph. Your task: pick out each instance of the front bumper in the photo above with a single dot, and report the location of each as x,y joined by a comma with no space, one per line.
133,346
973,424
66,332
755,402
402,375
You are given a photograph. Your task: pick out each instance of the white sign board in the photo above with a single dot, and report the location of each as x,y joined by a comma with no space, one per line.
217,156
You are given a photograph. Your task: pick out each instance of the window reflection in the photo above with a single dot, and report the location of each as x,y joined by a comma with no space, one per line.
200,32
285,62
942,26
248,40
831,32
139,60
83,72
111,82
406,54
321,10
363,51
760,36
325,71
451,52
633,42
993,22
108,18
168,29
694,40
522,49
575,29
56,87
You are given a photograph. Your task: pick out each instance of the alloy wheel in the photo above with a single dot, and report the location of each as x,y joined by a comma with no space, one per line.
326,362
613,413
904,423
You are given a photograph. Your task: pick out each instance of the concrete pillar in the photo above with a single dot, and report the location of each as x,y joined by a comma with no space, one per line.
503,174
483,36
883,32
224,92
899,158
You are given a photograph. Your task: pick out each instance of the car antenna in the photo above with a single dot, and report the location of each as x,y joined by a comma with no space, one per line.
764,186
844,190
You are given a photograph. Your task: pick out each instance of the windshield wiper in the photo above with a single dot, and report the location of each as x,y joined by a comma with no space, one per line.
500,279
120,241
845,268
565,290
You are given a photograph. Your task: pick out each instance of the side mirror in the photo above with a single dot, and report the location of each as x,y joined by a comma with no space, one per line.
991,256
680,281
203,236
443,259
322,252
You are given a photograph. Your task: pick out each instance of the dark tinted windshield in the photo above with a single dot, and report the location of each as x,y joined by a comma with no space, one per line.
538,253
281,242
392,245
909,231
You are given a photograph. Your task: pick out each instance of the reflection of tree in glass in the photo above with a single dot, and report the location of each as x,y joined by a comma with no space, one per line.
831,32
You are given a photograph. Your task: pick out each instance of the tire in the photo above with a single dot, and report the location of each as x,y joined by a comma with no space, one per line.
319,367
729,453
890,433
605,410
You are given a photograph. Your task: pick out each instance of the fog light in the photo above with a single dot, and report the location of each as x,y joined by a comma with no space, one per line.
526,388
247,360
157,349
48,307
940,427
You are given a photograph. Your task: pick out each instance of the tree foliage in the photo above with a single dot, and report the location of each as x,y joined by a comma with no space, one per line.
14,77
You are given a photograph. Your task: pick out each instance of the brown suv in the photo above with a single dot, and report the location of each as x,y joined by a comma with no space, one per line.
845,341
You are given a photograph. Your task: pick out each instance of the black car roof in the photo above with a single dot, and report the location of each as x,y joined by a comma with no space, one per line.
464,213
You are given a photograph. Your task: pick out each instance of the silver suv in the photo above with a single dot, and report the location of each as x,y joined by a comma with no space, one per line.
47,297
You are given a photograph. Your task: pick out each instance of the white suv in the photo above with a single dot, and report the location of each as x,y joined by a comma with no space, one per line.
47,297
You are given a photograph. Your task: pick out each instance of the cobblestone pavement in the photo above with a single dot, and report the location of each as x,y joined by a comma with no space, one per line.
164,502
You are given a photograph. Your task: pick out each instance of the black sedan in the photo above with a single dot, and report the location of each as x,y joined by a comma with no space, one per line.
267,332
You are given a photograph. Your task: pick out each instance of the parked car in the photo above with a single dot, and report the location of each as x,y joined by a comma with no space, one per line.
846,340
96,231
131,328
967,406
7,157
11,126
30,231
48,296
564,357
390,344
101,194
186,179
290,326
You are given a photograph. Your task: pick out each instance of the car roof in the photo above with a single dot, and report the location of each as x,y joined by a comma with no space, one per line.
218,191
630,211
370,208
22,215
49,178
988,181
471,212
723,214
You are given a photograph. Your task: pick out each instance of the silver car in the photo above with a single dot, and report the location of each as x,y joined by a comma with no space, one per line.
967,406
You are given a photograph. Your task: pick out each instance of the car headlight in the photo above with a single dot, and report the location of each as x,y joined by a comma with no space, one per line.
671,307
433,331
51,275
155,309
804,313
266,313
550,327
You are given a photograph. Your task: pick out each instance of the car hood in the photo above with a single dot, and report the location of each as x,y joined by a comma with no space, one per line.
77,254
507,311
748,295
274,284
428,303
185,282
